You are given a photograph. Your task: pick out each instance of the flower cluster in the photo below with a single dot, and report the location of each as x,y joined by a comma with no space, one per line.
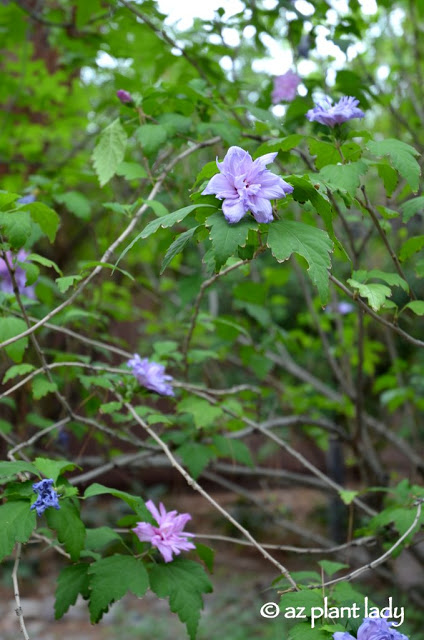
6,284
151,375
246,185
168,537
285,87
124,96
326,113
47,496
372,629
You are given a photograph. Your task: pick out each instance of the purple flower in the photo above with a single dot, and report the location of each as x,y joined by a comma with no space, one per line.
47,496
285,87
342,308
151,375
326,113
26,199
373,629
246,185
168,536
6,284
124,96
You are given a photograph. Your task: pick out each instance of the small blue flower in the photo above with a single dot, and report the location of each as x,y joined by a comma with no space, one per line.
326,113
47,496
26,199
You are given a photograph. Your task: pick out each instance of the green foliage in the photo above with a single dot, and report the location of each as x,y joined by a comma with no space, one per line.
109,151
402,158
72,581
18,523
69,527
9,328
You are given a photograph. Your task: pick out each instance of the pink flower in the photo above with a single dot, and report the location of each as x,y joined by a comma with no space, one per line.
285,87
168,536
246,185
124,96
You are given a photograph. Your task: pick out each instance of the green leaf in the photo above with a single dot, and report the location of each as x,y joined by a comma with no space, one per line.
411,207
165,221
177,247
203,412
393,279
131,171
307,598
348,495
17,525
376,294
286,237
305,190
234,449
35,257
134,502
227,238
388,175
53,468
7,199
76,203
344,176
325,153
66,282
206,554
41,387
111,578
72,581
45,217
417,306
402,158
99,537
151,136
17,370
69,527
304,631
9,328
331,567
195,456
16,227
32,272
280,144
109,151
411,246
9,469
184,582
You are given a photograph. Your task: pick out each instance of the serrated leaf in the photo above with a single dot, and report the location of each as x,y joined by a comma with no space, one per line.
305,190
109,151
195,456
41,387
304,631
286,237
45,217
388,175
99,537
9,469
411,207
325,153
417,306
53,468
227,238
110,407
111,578
307,598
72,581
177,247
401,157
69,527
348,495
344,176
411,246
134,502
9,328
17,370
151,136
35,257
66,282
376,294
279,144
204,414
16,227
392,279
331,567
234,449
183,582
17,524
206,554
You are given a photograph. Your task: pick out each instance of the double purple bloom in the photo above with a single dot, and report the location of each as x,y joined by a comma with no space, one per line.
151,375
373,629
168,536
326,113
6,284
246,185
285,87
47,496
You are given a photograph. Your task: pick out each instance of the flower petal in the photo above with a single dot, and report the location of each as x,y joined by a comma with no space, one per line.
221,186
261,209
234,210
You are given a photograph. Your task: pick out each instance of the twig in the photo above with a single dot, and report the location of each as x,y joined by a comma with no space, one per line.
18,609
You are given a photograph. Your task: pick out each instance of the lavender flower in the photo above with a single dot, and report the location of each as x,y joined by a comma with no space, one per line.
285,87
326,113
26,199
373,629
168,536
151,375
47,496
124,96
6,284
246,185
342,308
